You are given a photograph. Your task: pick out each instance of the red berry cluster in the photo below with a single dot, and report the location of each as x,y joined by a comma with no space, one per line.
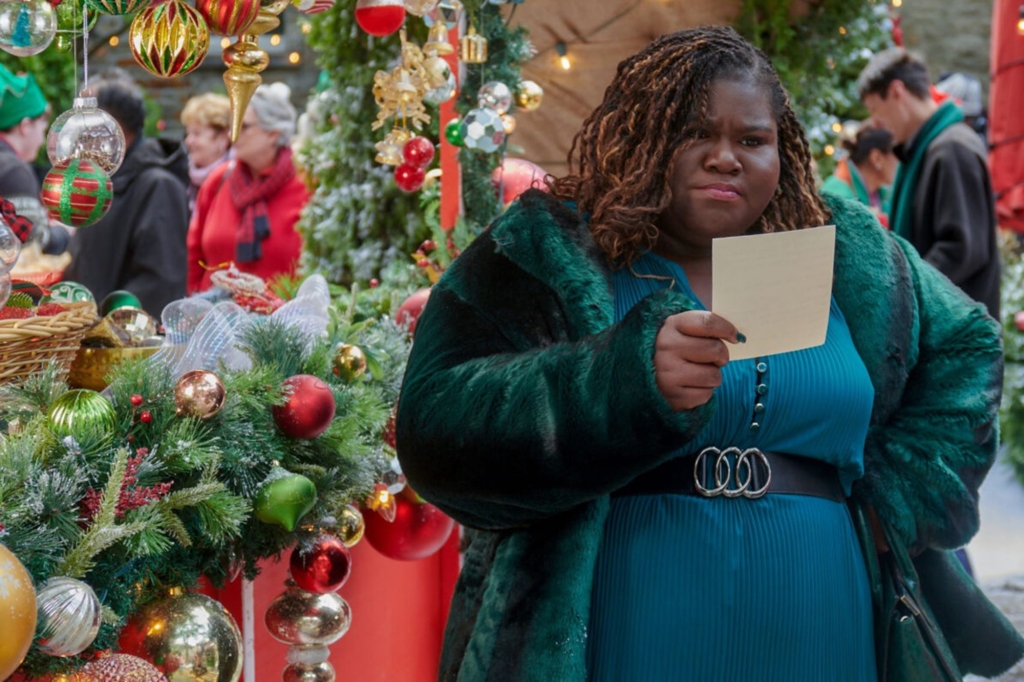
131,496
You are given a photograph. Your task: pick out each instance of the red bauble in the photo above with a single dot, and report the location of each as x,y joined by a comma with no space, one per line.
309,409
380,17
1018,319
409,312
324,568
419,152
76,193
409,178
515,176
418,530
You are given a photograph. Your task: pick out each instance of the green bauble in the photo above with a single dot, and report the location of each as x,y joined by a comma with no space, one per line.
82,414
68,292
285,498
453,132
119,299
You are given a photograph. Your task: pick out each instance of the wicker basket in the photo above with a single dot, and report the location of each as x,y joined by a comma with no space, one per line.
30,345
92,365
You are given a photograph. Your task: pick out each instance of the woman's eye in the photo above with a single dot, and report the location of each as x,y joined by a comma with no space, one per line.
701,135
752,142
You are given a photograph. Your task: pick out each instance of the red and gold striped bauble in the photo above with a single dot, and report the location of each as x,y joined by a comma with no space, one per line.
228,17
169,38
76,193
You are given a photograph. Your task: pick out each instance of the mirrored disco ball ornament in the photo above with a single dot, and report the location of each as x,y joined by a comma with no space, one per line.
26,28
495,95
86,132
483,130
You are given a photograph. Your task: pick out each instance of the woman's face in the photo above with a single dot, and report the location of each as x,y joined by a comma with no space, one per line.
722,182
205,144
254,143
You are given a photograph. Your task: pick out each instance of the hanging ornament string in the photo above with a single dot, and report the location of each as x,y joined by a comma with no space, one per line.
85,46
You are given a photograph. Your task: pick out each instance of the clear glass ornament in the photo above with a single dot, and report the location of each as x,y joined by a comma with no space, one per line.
5,287
448,11
420,7
27,27
495,95
10,247
442,93
483,130
86,132
69,616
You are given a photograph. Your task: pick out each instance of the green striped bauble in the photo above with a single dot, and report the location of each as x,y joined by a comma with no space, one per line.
83,415
169,38
77,192
117,6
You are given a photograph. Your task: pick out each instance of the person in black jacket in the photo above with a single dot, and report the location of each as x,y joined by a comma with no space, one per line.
942,198
139,245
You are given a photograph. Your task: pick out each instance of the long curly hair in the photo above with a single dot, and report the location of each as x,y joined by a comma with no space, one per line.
620,162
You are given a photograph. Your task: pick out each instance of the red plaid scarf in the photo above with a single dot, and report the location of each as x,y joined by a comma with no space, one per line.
250,196
20,225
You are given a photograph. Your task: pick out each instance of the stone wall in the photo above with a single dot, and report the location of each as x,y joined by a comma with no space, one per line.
951,35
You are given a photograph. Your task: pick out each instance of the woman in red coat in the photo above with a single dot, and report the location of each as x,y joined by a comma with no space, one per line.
246,211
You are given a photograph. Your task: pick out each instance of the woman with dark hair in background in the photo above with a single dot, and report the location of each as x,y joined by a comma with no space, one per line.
866,175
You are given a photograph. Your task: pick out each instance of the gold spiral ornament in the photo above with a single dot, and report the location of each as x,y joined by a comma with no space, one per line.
169,39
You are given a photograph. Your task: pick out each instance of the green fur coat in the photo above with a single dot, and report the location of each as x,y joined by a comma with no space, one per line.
524,405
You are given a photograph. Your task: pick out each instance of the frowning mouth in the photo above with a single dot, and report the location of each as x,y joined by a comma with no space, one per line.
720,191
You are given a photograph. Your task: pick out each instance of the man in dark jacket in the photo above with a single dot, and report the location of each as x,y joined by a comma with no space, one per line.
942,197
139,245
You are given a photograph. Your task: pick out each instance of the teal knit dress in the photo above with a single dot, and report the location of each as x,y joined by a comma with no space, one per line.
738,590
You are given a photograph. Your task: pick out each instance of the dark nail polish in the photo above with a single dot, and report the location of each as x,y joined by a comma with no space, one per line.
741,338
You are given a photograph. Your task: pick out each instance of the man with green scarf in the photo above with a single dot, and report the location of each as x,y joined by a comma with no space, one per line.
942,199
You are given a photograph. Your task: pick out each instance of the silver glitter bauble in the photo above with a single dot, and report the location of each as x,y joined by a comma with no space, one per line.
495,95
68,616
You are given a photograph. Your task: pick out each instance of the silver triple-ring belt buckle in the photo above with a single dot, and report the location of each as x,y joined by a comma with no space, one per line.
735,472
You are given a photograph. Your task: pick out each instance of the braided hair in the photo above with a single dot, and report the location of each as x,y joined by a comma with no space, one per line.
620,162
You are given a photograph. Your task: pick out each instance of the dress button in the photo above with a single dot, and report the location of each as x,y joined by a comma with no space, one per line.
758,408
762,367
762,389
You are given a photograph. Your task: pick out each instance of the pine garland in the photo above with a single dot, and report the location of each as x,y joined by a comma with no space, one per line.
1011,414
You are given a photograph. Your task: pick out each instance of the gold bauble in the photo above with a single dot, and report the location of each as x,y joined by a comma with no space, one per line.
187,636
300,618
320,672
199,394
349,362
351,526
529,96
118,668
508,123
17,612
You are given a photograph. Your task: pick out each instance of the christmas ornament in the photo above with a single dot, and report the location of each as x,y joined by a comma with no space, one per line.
27,27
299,617
10,247
17,612
409,178
447,12
349,361
515,176
169,38
69,23
118,668
418,531
409,310
380,17
284,499
116,6
187,636
442,80
508,123
5,287
77,193
199,394
1018,320
418,152
228,17
308,409
437,41
483,130
495,95
136,324
442,93
79,412
350,526
68,616
119,298
323,568
529,96
313,6
473,48
420,7
321,671
68,292
453,133
86,132
245,60
399,92
382,501
390,148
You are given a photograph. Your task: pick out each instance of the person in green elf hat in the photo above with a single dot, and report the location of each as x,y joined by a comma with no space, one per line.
942,199
24,114
866,174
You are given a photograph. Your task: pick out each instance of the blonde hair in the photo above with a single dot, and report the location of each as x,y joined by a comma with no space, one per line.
209,110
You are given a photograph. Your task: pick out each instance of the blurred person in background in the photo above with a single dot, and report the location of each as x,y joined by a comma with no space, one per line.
207,121
247,209
867,173
139,245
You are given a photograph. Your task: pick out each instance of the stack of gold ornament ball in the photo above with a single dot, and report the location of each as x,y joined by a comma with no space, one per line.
125,332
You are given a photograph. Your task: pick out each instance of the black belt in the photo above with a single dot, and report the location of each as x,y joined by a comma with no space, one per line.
740,473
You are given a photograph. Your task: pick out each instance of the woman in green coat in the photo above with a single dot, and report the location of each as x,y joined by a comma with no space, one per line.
867,173
567,372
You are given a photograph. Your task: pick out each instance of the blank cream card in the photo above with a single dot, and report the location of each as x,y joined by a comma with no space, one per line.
775,288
